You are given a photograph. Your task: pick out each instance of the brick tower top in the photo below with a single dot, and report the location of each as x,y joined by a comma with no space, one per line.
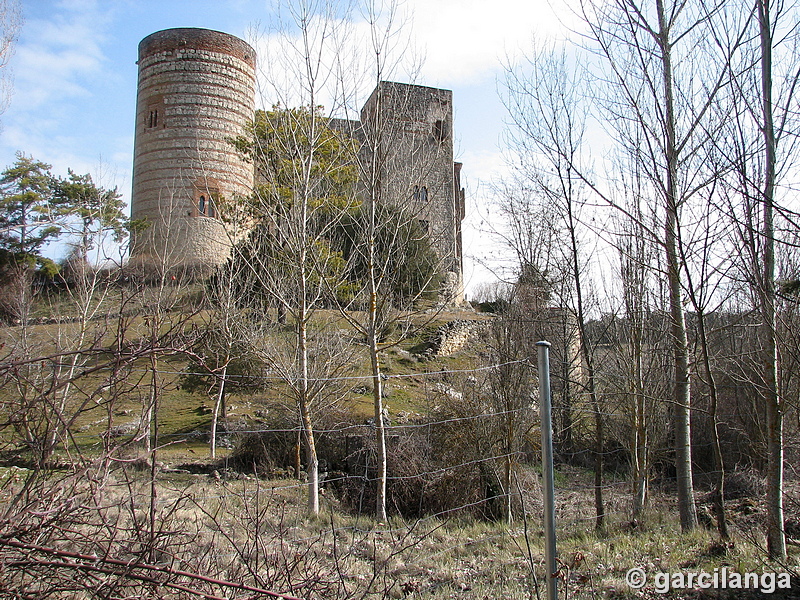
198,39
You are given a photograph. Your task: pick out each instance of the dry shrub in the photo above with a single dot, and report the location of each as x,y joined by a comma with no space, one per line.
271,451
431,475
417,485
16,292
433,469
93,533
263,452
744,483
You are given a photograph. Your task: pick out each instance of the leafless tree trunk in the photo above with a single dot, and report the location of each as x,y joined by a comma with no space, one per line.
705,274
546,108
664,122
374,166
217,410
683,442
776,539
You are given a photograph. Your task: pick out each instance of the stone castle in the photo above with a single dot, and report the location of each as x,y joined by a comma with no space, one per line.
196,90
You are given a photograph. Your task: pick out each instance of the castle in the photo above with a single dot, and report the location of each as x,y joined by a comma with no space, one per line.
196,90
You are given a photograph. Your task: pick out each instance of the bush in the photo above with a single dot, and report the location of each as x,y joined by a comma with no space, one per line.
425,480
262,452
275,450
744,483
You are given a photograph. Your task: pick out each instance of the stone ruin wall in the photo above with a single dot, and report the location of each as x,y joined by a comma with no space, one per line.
454,336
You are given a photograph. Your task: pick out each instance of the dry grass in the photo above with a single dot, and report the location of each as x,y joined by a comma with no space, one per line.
241,528
256,531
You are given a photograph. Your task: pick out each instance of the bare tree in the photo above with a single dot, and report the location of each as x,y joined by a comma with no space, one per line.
225,326
707,264
291,260
760,147
638,256
652,56
48,402
305,180
398,246
547,111
511,391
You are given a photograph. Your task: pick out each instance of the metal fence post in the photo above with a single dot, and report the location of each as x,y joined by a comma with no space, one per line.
548,488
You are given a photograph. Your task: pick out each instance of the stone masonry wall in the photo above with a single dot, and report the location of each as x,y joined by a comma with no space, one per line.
196,90
415,125
454,335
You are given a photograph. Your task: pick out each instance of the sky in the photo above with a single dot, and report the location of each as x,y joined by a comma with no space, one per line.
74,81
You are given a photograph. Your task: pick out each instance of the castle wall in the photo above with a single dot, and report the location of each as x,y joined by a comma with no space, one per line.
414,126
196,90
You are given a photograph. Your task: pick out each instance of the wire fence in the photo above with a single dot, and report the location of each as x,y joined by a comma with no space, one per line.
448,472
435,538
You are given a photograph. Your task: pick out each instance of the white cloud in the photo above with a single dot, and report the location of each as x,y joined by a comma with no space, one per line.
485,166
339,51
55,58
438,42
465,40
58,68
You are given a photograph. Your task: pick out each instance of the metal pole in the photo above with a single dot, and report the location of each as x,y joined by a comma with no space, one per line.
547,470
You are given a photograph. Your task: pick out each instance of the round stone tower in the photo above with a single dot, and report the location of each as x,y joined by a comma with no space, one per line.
196,91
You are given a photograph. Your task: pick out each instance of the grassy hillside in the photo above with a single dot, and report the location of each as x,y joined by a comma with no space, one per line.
173,523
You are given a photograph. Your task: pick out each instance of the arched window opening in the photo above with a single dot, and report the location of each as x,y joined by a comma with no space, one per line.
439,131
205,200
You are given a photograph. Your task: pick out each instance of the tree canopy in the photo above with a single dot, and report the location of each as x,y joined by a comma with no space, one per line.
37,207
410,264
30,212
297,153
97,209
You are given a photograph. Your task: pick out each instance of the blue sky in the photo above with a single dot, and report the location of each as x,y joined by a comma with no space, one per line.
74,78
